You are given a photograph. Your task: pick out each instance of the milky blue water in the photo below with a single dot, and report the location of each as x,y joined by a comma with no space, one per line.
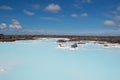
43,60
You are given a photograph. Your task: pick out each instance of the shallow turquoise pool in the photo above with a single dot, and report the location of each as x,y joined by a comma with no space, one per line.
44,60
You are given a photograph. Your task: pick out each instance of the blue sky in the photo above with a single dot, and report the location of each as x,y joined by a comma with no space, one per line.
81,17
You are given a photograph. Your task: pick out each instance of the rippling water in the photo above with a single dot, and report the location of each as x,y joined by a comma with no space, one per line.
46,60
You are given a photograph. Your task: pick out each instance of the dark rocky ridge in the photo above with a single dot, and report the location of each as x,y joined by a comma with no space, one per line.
109,39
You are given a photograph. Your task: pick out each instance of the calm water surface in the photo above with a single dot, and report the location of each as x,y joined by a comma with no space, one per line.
43,60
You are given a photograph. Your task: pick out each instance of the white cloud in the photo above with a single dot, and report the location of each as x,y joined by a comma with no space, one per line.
84,1
15,25
84,15
109,23
3,25
15,22
53,8
118,8
77,6
88,1
28,12
117,18
36,6
5,7
74,15
49,18
114,17
81,15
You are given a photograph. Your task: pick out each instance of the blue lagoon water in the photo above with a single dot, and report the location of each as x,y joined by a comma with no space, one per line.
45,60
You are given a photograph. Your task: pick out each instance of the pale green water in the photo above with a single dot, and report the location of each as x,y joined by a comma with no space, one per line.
42,60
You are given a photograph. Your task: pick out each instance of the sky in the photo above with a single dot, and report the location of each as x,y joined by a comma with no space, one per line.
80,17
